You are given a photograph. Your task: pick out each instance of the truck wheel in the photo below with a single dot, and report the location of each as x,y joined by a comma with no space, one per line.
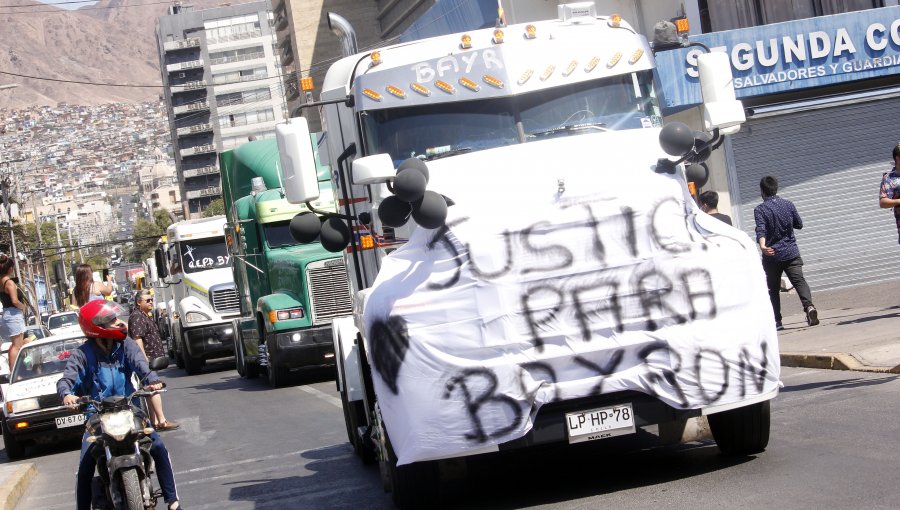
14,449
192,365
277,376
239,355
415,485
742,431
178,355
352,411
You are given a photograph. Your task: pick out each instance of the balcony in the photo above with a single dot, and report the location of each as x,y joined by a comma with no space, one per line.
281,20
191,42
208,192
189,86
191,107
267,96
183,66
287,55
197,172
238,58
193,130
198,149
291,88
234,37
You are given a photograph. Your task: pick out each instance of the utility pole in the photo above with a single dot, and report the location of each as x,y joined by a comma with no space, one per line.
12,236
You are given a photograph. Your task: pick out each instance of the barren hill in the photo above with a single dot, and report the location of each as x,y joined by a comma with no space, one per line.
93,44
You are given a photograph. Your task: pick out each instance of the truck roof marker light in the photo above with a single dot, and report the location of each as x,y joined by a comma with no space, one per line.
525,76
306,84
614,60
469,84
638,53
592,63
614,21
421,89
498,36
492,81
375,58
682,25
367,242
570,68
530,32
394,91
548,72
465,42
371,94
446,87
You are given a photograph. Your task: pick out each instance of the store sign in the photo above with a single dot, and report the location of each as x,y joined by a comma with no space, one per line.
790,56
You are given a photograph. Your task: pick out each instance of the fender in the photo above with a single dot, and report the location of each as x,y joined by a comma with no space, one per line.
344,333
120,462
282,301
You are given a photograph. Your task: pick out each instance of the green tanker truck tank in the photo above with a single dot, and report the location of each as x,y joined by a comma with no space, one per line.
289,292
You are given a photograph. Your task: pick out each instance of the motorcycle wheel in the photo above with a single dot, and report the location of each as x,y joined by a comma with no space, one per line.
131,489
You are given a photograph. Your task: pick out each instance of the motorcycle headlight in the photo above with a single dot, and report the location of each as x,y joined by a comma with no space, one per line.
117,424
195,317
26,404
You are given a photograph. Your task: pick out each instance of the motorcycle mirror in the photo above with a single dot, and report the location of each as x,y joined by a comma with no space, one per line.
159,363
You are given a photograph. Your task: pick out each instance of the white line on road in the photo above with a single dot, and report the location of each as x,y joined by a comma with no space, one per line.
321,395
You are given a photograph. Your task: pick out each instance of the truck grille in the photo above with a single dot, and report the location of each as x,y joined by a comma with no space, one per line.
225,300
329,290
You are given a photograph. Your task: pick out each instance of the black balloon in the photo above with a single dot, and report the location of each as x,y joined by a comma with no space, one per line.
698,173
335,234
416,163
676,139
431,211
409,185
305,227
701,139
394,212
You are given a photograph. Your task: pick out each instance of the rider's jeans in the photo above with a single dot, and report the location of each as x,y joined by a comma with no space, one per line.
88,464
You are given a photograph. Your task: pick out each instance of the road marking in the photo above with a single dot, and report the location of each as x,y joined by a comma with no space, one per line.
321,395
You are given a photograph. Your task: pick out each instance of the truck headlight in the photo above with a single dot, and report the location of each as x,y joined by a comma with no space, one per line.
23,405
195,317
117,424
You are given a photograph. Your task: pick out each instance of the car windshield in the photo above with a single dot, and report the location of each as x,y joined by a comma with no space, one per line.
38,332
44,359
278,234
428,132
61,321
204,254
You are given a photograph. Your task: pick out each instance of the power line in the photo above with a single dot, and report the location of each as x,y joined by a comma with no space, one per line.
130,85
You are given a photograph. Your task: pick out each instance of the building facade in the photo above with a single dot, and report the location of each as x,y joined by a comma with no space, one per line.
223,85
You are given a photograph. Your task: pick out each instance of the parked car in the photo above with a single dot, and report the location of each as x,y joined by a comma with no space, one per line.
63,322
37,331
33,412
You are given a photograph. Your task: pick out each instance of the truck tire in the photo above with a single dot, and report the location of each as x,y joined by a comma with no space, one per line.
14,449
192,366
131,489
244,368
742,431
178,354
277,376
415,485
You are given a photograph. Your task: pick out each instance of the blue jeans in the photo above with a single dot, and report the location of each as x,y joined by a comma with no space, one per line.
88,464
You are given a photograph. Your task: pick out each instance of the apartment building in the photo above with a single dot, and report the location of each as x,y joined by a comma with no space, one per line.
222,80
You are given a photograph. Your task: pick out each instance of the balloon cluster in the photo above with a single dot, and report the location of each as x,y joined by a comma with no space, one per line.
427,208
411,199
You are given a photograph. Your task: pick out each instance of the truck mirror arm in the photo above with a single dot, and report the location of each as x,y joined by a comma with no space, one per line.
163,285
243,259
348,101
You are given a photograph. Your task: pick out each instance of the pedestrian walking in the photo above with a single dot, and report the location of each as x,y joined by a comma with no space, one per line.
12,322
146,334
86,289
709,203
776,219
889,197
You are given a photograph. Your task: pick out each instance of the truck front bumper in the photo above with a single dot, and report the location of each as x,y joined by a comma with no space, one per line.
302,348
209,342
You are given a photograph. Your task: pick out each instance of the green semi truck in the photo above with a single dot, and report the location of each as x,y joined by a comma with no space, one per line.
289,292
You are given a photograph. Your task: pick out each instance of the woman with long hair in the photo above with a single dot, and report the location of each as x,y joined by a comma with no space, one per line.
12,323
86,289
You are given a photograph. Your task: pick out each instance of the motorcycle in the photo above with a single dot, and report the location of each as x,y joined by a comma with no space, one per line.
120,431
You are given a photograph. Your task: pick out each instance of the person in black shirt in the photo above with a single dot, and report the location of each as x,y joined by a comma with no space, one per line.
709,201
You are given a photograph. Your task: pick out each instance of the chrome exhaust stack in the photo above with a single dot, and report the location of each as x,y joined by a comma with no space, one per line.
343,29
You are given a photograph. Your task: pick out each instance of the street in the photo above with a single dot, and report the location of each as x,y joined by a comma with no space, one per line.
245,446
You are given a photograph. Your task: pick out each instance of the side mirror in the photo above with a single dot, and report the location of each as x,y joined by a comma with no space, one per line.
298,162
162,269
375,169
720,108
159,363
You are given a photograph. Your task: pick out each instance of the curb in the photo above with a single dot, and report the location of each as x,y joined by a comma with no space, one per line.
832,361
14,486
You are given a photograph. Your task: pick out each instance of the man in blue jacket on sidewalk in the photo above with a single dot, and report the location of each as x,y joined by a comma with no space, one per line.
103,367
776,219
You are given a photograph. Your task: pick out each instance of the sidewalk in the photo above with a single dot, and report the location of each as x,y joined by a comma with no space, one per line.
14,479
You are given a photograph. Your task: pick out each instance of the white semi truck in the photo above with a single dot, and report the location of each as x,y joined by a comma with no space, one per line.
196,271
528,265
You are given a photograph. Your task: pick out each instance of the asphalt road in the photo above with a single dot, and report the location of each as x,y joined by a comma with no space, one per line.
244,446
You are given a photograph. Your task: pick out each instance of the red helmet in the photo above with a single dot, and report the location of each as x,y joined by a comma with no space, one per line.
98,317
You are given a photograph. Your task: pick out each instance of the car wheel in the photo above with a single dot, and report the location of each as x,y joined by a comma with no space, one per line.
415,485
14,449
742,431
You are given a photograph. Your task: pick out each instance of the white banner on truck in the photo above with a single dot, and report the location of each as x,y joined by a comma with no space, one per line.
611,281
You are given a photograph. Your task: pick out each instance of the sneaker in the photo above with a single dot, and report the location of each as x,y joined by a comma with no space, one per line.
812,316
779,326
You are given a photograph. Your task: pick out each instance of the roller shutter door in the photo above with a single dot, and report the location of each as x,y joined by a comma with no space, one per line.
829,162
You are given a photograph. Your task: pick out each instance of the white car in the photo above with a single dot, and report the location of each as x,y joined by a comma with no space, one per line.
33,412
63,323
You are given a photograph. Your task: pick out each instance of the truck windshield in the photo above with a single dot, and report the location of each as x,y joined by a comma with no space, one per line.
428,132
204,254
278,234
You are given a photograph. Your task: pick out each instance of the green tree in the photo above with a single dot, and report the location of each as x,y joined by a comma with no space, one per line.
146,234
215,208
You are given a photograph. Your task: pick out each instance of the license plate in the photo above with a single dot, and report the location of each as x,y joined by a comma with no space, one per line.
600,423
69,421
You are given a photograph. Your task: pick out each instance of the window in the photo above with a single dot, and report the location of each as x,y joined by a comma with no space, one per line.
232,29
256,73
244,118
